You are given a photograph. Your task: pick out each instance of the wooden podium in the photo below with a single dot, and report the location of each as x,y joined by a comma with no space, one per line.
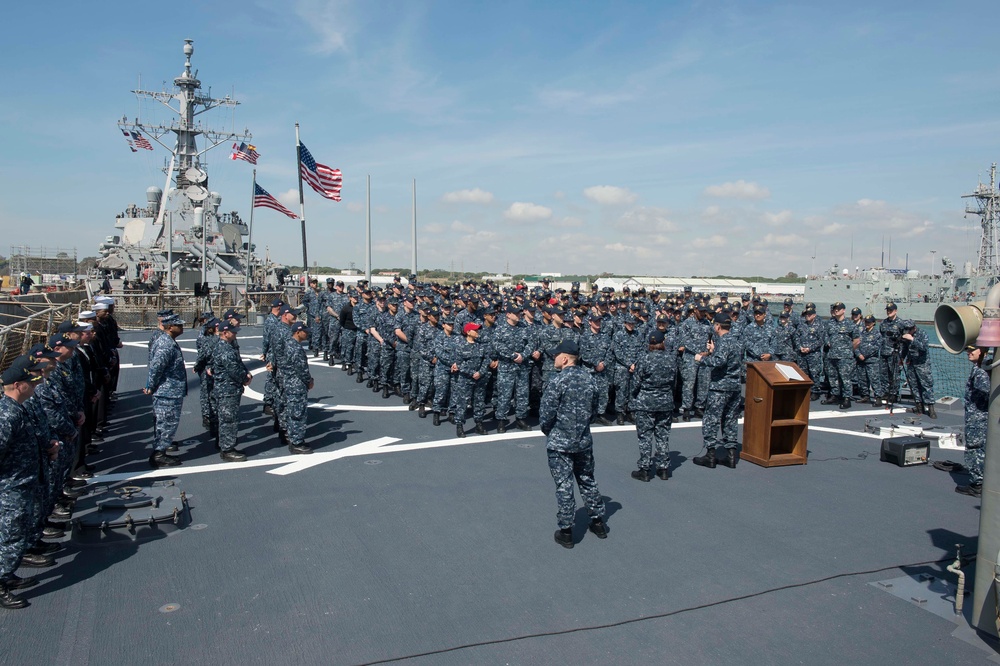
776,420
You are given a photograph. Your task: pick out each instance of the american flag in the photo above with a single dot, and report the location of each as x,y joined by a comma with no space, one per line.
128,140
323,179
141,141
246,152
261,198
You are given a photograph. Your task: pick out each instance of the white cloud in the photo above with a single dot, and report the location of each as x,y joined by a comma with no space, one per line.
468,196
290,199
355,206
462,227
568,222
832,228
619,247
327,19
646,220
609,195
777,219
786,240
712,241
740,189
434,228
527,212
711,211
870,203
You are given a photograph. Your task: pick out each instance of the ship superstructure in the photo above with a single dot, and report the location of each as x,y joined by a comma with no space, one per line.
180,238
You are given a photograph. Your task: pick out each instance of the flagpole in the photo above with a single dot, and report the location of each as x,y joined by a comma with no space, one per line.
368,231
302,207
249,268
413,232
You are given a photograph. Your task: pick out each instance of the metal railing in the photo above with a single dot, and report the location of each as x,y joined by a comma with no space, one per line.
16,339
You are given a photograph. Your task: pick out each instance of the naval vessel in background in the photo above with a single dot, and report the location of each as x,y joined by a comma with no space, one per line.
180,239
918,296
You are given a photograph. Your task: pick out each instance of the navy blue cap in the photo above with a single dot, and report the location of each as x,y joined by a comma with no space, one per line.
656,337
20,371
277,303
164,313
299,326
41,351
567,347
227,326
60,340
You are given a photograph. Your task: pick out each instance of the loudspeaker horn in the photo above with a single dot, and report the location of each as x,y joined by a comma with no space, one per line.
957,326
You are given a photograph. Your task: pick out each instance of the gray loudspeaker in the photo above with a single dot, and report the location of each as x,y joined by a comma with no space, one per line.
957,326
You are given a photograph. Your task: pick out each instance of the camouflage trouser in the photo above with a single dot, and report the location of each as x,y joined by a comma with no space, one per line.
564,466
442,387
511,385
333,337
374,356
694,383
322,333
387,364
426,382
889,366
974,459
870,378
416,381
270,390
812,365
228,411
348,340
294,414
921,382
168,418
402,375
603,389
16,514
653,429
360,341
840,372
721,415
623,389
464,389
205,396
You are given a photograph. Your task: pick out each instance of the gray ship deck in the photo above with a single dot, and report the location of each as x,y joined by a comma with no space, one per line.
433,550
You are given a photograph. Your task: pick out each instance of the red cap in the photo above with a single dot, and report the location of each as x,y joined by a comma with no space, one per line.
471,326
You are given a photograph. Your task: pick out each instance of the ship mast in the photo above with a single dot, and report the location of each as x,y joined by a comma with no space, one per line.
987,207
190,103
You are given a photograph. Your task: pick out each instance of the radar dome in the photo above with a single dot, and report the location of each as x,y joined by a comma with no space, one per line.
153,195
912,274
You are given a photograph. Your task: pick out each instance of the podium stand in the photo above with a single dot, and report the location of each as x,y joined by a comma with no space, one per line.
776,420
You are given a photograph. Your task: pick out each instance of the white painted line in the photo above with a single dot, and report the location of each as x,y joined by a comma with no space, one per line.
838,431
320,457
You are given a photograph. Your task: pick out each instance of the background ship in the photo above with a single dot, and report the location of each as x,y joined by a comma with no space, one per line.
180,239
918,296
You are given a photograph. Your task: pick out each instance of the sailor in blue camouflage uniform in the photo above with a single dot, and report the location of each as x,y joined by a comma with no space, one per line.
56,395
322,328
512,348
596,357
869,367
281,337
205,344
311,309
917,365
842,340
626,347
296,382
757,338
977,416
348,332
270,323
891,354
567,408
653,404
160,328
809,338
51,489
427,341
784,346
469,376
230,375
166,381
416,360
723,358
335,302
793,317
550,337
444,357
386,324
407,320
693,339
20,478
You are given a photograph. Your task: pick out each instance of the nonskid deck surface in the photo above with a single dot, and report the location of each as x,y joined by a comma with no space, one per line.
396,540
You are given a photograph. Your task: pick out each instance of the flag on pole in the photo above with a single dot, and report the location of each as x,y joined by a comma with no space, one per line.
141,141
246,152
261,199
128,140
323,179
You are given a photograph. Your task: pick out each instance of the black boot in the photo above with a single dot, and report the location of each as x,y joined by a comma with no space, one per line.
663,473
685,415
501,426
385,391
10,600
642,475
917,408
845,404
598,527
437,418
931,412
731,458
161,459
564,537
522,425
459,431
350,368
830,400
480,429
268,410
422,412
360,378
413,404
707,460
620,419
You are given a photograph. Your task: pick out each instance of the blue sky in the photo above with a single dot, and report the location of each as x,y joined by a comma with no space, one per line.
663,138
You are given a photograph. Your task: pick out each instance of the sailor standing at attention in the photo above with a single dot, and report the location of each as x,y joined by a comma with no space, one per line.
724,360
167,383
568,405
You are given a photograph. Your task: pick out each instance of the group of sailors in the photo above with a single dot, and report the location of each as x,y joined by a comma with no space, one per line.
444,350
56,402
